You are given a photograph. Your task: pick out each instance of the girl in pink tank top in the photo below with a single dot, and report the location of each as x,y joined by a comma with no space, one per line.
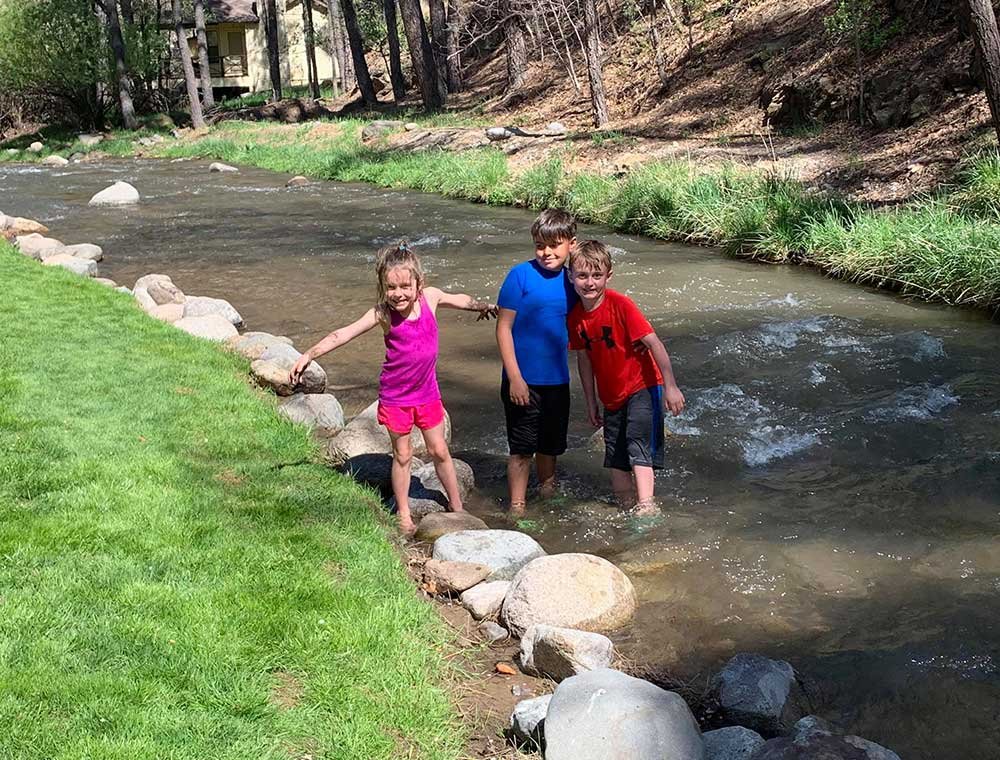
408,388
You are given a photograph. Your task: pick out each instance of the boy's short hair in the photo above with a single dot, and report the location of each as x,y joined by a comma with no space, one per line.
590,255
553,226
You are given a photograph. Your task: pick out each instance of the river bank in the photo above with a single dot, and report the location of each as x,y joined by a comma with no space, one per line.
943,248
293,629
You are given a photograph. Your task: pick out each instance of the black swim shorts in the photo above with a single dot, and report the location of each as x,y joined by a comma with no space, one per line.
540,427
633,433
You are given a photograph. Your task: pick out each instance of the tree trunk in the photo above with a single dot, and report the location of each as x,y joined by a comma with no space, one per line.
273,53
358,53
128,15
517,52
395,64
123,81
309,34
338,45
182,50
207,98
439,40
333,43
456,22
984,31
595,74
421,55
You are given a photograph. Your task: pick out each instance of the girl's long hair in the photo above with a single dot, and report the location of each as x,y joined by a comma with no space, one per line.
387,259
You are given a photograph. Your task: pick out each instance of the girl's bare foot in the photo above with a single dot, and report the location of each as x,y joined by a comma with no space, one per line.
517,509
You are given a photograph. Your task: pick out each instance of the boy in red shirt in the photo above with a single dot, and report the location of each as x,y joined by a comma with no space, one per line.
607,331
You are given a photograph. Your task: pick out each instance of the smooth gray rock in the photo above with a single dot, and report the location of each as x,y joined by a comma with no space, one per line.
283,356
82,267
253,344
202,306
37,246
269,374
819,746
731,743
148,279
118,194
810,730
438,524
315,410
579,591
164,292
527,723
485,599
85,251
498,134
503,551
212,328
454,577
167,312
145,301
753,691
297,181
493,632
89,141
54,161
559,653
36,147
427,475
810,725
221,168
423,507
605,714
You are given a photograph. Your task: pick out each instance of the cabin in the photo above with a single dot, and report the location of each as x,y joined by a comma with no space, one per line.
237,45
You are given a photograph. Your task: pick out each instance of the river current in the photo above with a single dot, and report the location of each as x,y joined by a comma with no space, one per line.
832,492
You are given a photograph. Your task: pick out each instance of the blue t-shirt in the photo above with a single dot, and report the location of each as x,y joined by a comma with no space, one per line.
542,299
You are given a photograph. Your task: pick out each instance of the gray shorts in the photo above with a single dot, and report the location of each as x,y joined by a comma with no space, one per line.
633,433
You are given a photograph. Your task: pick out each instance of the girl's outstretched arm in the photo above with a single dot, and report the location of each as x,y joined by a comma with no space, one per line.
334,340
437,297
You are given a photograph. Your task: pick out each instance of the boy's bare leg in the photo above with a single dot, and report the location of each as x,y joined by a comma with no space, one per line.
645,504
437,447
402,456
518,470
545,466
623,487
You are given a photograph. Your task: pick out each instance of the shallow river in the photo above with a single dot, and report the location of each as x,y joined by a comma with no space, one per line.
832,495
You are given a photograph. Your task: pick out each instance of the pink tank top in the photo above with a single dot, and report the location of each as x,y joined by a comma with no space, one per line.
409,376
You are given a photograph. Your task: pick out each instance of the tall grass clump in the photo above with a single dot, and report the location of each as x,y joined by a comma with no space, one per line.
979,185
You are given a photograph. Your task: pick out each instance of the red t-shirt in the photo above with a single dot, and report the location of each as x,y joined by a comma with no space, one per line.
608,334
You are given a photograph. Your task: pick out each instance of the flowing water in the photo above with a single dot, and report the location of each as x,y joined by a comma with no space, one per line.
832,495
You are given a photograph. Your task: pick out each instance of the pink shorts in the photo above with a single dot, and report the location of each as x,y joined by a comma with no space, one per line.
401,419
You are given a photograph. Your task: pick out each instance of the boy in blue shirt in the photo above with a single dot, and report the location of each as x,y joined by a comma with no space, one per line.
534,300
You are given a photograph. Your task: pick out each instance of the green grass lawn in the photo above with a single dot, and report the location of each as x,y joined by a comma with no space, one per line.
179,578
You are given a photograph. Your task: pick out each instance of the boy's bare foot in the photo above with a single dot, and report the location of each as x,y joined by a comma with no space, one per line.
517,509
459,508
547,488
646,508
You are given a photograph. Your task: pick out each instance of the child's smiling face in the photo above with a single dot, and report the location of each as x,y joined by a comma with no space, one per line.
590,284
401,289
552,256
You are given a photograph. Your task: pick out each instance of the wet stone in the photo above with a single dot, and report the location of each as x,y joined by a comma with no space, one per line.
731,743
433,526
754,691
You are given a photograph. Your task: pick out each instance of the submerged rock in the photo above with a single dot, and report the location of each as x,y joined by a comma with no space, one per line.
222,168
572,591
297,181
118,194
731,743
212,327
503,551
433,526
485,599
606,714
754,690
559,653
54,161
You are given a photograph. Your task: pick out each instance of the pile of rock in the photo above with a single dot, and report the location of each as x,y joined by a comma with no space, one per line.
80,258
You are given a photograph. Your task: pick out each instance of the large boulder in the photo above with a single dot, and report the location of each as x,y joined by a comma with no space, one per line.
558,653
253,344
438,524
118,194
280,358
503,551
572,591
82,267
164,292
485,599
754,691
427,475
604,714
527,723
147,280
269,374
202,306
731,743
454,577
364,435
36,246
168,312
315,410
212,327
85,251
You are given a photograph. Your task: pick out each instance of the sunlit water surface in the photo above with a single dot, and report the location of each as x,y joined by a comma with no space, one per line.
832,492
